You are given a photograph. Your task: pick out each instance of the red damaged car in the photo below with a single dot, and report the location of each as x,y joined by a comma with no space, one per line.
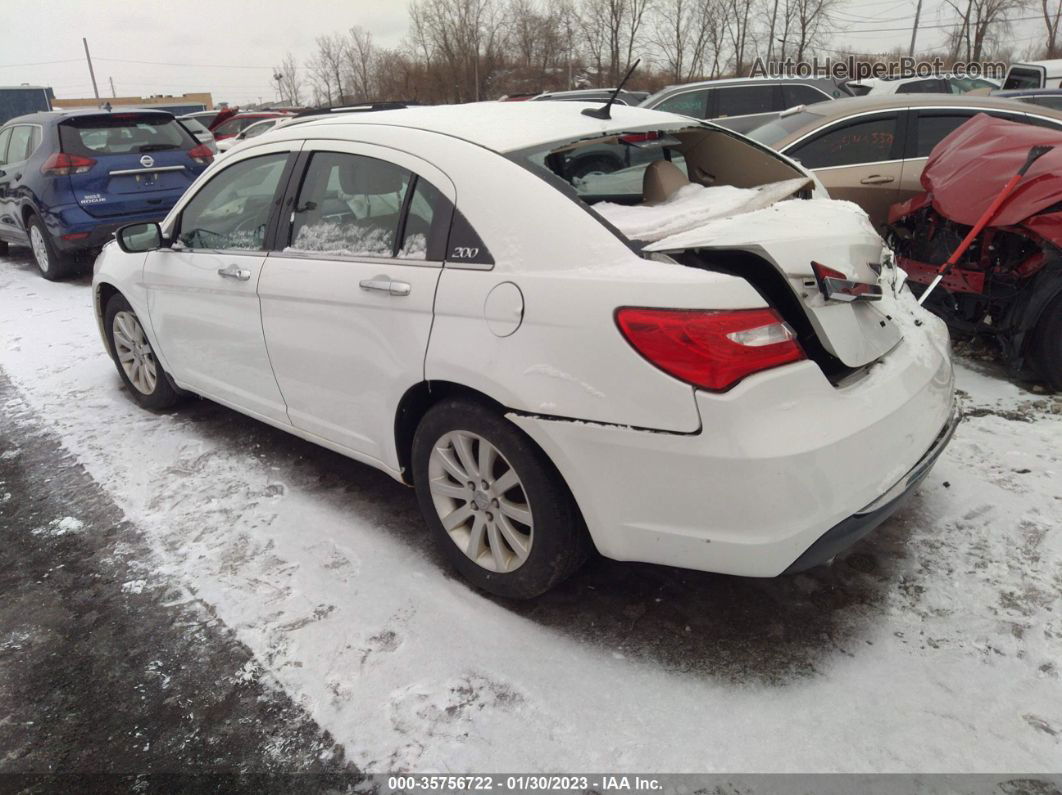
1008,283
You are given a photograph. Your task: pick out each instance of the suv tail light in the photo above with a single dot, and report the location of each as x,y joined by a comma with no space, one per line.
201,154
711,350
62,164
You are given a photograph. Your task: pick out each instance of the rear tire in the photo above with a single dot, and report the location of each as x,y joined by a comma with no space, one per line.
1047,345
135,359
51,262
514,528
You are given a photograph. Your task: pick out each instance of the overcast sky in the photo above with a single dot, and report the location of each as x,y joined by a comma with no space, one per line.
228,47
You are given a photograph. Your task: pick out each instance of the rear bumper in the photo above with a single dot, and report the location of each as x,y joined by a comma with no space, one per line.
847,532
782,462
75,230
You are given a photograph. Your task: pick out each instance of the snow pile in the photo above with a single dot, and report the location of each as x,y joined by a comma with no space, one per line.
802,218
347,240
692,206
60,527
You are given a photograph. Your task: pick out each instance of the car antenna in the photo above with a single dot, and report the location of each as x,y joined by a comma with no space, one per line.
602,112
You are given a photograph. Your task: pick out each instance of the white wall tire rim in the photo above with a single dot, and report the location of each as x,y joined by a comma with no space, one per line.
40,248
134,353
480,501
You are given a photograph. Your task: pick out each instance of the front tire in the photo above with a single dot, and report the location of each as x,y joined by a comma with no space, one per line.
135,359
51,262
1047,345
496,504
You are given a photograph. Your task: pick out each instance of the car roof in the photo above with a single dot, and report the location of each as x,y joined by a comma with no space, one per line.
59,114
841,108
508,126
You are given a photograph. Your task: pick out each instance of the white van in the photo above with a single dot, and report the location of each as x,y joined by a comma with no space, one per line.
1035,74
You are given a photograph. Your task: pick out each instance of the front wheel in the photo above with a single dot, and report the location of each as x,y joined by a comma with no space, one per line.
137,364
51,262
497,506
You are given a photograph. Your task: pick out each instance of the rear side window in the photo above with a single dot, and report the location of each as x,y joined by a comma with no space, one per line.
745,100
5,136
21,144
1023,77
691,103
122,133
932,129
231,212
801,95
350,205
865,141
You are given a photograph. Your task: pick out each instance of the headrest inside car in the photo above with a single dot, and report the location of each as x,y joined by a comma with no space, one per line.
371,178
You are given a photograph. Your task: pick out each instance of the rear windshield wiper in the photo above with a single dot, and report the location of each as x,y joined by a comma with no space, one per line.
157,147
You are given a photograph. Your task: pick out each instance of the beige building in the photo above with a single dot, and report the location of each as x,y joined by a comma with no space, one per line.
199,98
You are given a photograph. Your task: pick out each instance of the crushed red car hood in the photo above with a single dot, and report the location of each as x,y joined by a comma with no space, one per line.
966,171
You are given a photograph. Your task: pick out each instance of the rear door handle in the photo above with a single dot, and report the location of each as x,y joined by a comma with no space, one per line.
234,272
383,284
877,179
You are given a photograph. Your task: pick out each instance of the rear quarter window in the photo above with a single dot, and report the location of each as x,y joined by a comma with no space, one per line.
122,134
1020,77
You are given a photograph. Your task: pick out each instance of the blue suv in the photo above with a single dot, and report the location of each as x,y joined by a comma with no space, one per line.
69,179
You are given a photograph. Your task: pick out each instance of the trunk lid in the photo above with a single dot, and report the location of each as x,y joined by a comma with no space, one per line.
141,162
793,234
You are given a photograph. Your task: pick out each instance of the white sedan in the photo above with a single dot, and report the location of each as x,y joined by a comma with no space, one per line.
701,368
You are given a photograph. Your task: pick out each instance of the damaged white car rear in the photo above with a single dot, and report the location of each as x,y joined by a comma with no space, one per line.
639,334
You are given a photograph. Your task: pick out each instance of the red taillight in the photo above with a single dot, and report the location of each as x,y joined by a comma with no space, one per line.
826,273
711,350
62,164
201,154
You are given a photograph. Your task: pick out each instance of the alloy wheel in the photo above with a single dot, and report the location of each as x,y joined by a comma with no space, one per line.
40,248
134,353
480,501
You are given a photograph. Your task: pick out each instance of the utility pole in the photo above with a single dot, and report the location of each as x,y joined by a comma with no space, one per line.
92,74
914,30
114,94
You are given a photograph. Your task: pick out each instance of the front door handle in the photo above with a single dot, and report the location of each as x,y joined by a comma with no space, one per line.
234,272
877,179
383,284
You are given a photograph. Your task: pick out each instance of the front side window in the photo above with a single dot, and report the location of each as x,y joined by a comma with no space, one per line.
231,212
867,141
745,100
349,205
691,103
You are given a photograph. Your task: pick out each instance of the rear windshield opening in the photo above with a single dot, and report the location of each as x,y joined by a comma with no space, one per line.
123,133
644,183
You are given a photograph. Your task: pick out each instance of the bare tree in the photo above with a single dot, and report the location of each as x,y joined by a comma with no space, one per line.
981,22
288,82
739,20
812,22
464,39
1051,19
612,30
326,69
679,34
360,58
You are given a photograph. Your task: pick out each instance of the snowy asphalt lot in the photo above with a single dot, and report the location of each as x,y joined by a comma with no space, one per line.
197,591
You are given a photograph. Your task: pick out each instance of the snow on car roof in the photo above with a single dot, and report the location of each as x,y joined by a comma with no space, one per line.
511,126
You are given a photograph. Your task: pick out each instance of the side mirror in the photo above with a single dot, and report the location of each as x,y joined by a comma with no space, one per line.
139,238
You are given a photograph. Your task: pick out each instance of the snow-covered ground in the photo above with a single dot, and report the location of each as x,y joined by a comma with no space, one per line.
934,646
